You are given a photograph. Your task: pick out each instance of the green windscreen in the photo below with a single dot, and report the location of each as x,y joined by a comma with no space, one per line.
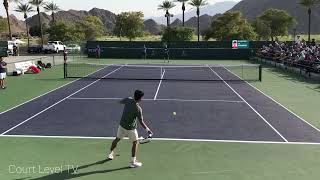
3,48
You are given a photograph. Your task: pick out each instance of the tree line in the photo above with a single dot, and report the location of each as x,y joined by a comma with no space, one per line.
230,25
25,8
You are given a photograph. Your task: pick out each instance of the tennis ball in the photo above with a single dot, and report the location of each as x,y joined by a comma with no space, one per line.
174,113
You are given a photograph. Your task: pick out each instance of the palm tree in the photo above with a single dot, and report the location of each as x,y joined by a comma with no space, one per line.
6,7
53,8
183,9
25,9
198,4
38,4
167,5
309,4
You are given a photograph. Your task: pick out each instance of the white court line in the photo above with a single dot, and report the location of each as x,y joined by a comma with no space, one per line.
200,100
299,117
162,75
44,110
165,139
50,91
178,100
250,106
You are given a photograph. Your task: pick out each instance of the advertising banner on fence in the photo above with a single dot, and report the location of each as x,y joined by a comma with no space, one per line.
240,44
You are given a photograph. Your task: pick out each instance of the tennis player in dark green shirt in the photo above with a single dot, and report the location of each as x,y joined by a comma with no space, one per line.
132,113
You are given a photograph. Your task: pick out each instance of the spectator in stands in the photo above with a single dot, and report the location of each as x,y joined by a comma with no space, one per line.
303,42
301,54
3,73
313,43
298,40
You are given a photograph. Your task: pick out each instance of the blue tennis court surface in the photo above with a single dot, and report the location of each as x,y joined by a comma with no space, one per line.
206,110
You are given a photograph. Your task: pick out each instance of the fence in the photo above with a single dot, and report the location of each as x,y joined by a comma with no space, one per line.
186,44
177,50
3,48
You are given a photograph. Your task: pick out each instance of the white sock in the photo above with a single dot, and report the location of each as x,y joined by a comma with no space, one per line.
111,153
133,159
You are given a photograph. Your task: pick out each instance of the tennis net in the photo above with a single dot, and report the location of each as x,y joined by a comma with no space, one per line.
246,72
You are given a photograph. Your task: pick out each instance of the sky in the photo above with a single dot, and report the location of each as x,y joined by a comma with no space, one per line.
148,7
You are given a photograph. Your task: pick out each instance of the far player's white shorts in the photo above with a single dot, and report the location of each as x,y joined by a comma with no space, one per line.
3,75
131,134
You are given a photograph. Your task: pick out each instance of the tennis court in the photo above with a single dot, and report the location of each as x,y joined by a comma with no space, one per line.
213,103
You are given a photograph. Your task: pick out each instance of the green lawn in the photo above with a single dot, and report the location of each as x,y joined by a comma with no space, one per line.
172,160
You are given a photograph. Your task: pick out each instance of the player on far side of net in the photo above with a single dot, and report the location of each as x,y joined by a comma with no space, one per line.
65,55
166,53
132,112
144,52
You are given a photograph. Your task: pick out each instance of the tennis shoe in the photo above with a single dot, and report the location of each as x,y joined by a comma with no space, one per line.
135,164
110,156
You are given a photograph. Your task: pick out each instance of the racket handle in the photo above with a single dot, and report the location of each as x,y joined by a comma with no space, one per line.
150,135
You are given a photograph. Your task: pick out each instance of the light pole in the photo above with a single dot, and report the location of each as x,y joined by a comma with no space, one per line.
168,16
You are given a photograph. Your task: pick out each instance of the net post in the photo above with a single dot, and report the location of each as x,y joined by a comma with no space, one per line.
260,73
242,72
64,70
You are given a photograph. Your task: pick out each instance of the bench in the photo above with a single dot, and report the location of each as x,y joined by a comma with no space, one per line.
22,67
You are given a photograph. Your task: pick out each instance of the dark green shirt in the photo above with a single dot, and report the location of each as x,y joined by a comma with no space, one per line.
131,113
3,68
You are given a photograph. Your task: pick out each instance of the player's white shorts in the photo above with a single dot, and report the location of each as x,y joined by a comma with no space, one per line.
131,134
3,75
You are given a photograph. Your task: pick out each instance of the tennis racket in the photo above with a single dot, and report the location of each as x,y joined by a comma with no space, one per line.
146,140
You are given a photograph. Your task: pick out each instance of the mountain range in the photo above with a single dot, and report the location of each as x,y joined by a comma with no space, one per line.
108,18
249,8
211,10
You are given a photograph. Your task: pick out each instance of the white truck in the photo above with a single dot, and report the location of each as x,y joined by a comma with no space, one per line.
53,47
10,48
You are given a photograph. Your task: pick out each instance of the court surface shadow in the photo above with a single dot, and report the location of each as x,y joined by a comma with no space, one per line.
70,173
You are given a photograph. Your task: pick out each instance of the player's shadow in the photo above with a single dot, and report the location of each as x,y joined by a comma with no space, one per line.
70,173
